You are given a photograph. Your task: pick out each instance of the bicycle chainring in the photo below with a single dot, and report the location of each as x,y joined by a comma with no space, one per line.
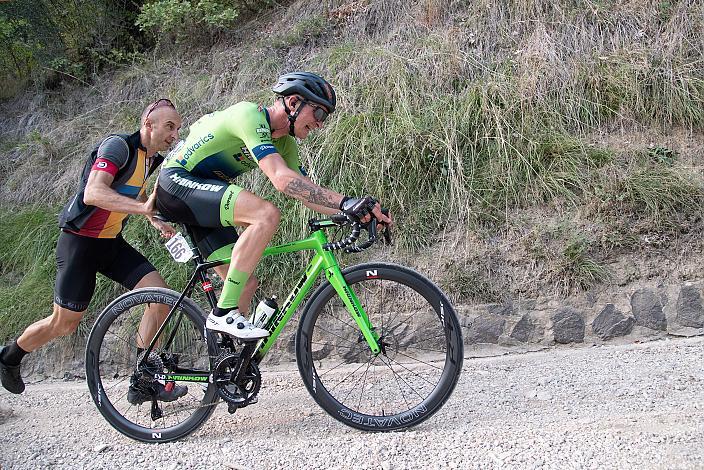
236,394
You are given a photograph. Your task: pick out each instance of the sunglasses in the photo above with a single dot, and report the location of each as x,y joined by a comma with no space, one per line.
160,103
320,114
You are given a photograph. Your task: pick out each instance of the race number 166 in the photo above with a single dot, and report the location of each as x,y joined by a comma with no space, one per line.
179,249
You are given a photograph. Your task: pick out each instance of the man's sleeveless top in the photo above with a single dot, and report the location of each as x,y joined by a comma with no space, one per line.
224,144
123,156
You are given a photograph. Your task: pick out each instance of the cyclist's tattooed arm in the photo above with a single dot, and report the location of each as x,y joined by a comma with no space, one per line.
304,189
295,185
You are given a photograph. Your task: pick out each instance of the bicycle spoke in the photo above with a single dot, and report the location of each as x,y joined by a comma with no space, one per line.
350,325
121,397
393,372
426,349
441,335
346,377
364,381
107,389
408,384
416,360
402,322
336,335
128,343
412,372
357,348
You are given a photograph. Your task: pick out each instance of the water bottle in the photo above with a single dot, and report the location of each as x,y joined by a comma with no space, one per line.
264,311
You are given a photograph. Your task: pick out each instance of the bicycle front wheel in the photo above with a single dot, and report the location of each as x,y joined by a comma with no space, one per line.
421,356
181,353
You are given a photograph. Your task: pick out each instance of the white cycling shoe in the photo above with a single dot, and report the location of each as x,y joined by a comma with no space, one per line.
234,324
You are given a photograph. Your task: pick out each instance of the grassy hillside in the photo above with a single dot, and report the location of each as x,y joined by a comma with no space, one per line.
525,148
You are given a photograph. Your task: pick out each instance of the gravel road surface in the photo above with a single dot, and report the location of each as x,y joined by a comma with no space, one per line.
627,406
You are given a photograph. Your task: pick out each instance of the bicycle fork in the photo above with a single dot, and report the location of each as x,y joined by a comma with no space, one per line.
354,308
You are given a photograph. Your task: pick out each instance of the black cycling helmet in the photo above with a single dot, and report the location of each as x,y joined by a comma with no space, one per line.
310,86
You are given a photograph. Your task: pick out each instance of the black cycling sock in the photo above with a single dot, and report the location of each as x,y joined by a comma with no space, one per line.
12,355
222,311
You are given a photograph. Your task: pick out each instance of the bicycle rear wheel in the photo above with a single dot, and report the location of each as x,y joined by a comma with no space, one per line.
421,357
112,357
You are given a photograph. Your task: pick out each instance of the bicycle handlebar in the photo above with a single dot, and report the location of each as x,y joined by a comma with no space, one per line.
349,244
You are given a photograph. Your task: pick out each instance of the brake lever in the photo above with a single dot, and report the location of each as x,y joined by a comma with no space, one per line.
387,230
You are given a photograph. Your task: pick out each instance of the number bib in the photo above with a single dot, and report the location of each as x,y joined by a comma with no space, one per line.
179,249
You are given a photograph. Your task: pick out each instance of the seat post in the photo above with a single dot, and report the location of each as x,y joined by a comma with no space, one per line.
191,239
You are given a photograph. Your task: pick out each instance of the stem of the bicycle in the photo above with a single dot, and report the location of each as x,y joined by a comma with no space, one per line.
323,260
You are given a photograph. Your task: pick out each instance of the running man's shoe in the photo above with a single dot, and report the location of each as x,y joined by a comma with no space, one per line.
139,393
10,376
234,324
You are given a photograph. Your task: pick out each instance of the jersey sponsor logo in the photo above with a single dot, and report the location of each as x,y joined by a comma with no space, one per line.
261,151
176,151
223,176
227,202
264,133
244,156
192,148
194,185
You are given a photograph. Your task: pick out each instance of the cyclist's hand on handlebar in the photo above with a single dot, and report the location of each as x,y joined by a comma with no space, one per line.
357,207
363,209
382,216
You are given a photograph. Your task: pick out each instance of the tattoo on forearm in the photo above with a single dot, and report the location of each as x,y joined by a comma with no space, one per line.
311,193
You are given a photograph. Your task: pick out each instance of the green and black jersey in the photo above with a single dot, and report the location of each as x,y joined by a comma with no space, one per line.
225,144
196,183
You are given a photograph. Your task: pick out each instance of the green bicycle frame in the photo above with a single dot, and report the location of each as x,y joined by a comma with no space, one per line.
323,260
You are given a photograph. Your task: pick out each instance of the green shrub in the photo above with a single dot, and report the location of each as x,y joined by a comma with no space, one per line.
578,270
46,43
191,20
27,267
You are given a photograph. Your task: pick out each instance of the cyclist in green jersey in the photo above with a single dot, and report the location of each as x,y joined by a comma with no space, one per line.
195,186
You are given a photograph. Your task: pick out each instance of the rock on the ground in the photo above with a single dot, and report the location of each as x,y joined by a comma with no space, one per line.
611,323
5,414
524,329
690,311
485,329
568,326
647,307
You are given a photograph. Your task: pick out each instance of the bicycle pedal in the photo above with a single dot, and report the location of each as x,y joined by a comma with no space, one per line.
231,408
247,342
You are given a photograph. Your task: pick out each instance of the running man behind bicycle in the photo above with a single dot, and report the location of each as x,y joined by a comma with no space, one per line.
112,186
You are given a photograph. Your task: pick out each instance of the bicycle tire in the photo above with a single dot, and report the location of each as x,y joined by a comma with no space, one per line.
403,305
111,357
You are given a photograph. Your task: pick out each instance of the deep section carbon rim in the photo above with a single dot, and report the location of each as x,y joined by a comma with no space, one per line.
421,355
181,354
